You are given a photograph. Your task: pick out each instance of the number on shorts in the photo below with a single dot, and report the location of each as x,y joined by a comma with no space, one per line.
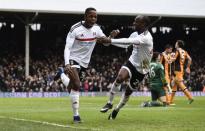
136,82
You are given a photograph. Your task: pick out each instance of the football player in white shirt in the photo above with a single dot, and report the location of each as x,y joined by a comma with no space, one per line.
136,67
80,43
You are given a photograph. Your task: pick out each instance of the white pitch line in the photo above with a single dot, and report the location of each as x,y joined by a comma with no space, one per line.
48,123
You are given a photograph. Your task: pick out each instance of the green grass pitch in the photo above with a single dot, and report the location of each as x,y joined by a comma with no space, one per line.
55,114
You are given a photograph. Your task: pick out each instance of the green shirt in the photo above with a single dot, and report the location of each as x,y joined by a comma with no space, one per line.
156,75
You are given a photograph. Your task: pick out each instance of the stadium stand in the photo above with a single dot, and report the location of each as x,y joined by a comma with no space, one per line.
47,55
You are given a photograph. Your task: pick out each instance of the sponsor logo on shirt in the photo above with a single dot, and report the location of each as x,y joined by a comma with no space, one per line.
86,41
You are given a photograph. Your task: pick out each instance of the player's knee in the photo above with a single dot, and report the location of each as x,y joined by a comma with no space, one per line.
185,89
120,78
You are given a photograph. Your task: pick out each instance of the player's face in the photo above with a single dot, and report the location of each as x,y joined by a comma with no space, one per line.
138,24
91,18
169,50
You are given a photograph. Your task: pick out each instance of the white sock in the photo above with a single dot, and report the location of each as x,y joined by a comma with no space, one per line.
65,79
123,101
74,95
115,88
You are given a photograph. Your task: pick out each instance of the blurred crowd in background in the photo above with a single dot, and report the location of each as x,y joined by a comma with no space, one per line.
47,55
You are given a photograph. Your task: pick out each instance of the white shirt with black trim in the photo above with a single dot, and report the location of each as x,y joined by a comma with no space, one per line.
80,43
142,50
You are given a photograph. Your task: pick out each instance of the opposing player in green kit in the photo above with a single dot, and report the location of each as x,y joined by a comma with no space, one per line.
156,82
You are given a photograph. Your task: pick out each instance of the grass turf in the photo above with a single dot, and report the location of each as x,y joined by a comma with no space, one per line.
28,114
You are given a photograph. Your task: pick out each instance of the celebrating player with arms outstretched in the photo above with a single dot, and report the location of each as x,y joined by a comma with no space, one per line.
136,67
80,43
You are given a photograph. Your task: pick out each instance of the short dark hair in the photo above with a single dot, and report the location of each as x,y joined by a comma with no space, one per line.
155,55
181,43
168,46
147,20
89,9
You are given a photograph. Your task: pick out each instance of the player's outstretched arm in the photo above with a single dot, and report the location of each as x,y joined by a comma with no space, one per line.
105,40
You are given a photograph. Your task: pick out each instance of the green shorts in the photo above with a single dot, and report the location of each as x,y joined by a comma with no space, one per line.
157,92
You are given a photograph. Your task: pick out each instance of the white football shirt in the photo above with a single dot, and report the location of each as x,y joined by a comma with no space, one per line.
80,43
142,50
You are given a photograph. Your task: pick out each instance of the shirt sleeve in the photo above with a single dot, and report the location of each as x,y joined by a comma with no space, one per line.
136,40
100,33
186,54
162,75
162,58
120,45
69,43
176,54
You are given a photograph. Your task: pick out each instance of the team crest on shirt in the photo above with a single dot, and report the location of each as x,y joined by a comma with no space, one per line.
81,35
